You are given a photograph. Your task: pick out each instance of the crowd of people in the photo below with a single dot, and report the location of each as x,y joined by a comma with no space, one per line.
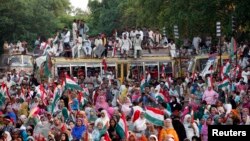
76,43
15,48
94,108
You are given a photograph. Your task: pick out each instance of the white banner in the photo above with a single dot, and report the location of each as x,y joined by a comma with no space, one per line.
205,71
40,61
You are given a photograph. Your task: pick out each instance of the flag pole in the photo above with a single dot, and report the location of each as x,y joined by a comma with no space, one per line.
236,56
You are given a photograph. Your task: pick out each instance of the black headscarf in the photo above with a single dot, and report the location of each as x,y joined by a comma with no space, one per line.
111,130
179,128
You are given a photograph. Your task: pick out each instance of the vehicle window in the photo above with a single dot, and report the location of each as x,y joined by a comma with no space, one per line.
27,61
16,61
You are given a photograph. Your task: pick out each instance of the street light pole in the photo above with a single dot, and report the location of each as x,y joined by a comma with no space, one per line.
176,36
233,40
218,34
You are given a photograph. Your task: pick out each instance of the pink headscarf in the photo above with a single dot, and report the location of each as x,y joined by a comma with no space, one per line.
101,103
126,106
185,112
110,111
204,131
210,96
194,105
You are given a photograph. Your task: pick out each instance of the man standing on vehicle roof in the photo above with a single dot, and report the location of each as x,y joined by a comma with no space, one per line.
126,45
137,46
66,40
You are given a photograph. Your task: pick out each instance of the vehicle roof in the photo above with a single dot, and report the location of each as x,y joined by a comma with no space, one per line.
206,56
62,60
21,55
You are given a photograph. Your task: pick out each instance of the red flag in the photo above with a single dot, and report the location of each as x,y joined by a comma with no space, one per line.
106,137
136,115
5,89
163,71
104,63
42,90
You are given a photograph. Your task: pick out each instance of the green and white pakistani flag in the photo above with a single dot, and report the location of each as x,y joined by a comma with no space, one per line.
160,97
71,84
154,116
56,98
2,99
47,66
82,99
225,82
122,128
145,82
226,69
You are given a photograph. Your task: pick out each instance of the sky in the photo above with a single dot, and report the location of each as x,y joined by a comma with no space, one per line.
83,4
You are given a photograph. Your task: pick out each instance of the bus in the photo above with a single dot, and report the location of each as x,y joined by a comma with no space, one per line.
120,68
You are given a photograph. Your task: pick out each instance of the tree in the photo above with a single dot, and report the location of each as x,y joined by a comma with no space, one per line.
192,17
104,16
26,19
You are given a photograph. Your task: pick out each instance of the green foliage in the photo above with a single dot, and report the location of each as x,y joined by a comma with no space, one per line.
105,16
27,19
194,17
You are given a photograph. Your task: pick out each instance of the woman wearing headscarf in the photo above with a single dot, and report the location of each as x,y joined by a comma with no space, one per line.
152,138
245,119
101,103
99,131
167,131
79,129
58,127
179,128
140,127
92,116
246,102
126,106
190,127
111,111
104,119
23,109
51,137
64,137
112,130
7,136
210,96
30,138
132,137
204,129
82,115
151,130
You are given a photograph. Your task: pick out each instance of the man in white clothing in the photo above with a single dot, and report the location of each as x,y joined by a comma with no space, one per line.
245,74
196,43
133,33
151,34
76,50
66,39
87,47
74,31
125,33
137,46
126,45
172,47
141,33
98,43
